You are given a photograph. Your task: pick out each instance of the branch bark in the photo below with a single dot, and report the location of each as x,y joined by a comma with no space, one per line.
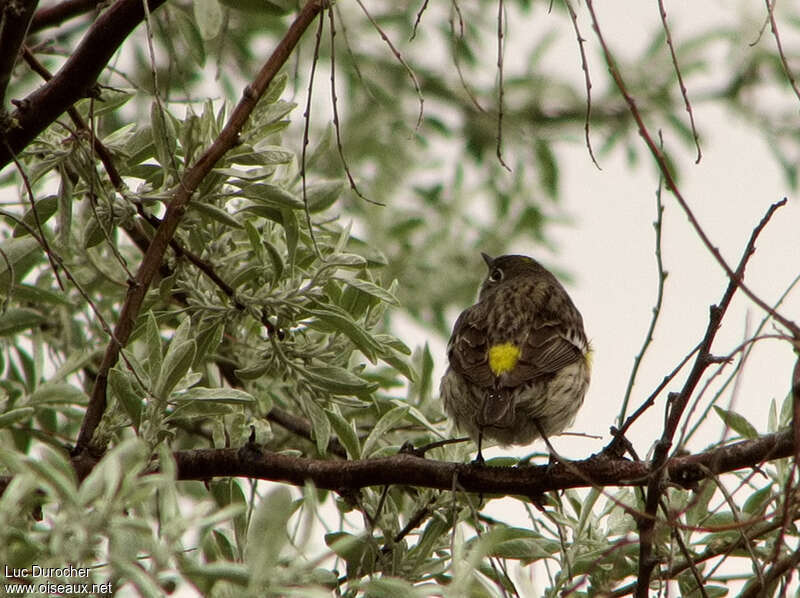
73,80
406,469
15,18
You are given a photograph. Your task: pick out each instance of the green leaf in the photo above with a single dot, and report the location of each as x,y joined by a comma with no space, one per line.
208,340
254,371
191,35
215,213
371,289
17,319
345,260
9,418
152,341
338,380
320,426
176,364
44,209
208,15
93,233
266,534
341,322
271,195
346,433
231,396
58,393
382,427
277,262
322,195
22,255
122,388
548,167
292,230
33,294
164,136
275,89
737,423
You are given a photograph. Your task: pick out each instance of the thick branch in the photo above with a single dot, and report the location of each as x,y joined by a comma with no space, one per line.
73,80
14,22
53,16
407,469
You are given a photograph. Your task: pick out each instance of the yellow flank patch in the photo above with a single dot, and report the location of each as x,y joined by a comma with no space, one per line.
503,358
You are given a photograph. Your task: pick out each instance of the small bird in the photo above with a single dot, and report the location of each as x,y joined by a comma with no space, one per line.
519,358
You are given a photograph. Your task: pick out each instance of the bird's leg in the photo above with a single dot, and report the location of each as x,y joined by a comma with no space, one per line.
479,458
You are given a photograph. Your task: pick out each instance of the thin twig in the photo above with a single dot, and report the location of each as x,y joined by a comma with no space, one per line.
672,185
663,13
454,53
306,126
336,124
500,84
586,79
401,60
42,237
417,20
784,63
662,276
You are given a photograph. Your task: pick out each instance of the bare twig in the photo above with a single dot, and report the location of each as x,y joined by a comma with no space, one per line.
418,19
663,13
784,63
663,166
662,276
400,59
586,79
454,53
500,83
306,126
336,125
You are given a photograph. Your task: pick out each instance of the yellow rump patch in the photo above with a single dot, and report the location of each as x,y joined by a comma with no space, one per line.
503,358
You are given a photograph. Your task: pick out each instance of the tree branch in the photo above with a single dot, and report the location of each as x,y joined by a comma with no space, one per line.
52,16
15,18
73,80
152,259
407,469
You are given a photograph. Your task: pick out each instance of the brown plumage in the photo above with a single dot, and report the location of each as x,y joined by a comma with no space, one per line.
518,357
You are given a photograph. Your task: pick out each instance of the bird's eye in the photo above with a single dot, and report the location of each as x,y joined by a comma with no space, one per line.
496,275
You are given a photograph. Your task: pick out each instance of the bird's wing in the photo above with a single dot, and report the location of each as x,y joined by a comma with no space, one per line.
468,347
549,346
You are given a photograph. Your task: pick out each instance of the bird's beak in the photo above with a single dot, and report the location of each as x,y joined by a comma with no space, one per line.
488,259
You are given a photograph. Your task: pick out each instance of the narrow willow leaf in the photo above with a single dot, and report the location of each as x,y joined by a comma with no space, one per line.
338,380
346,433
214,395
215,213
9,418
320,426
176,364
371,289
382,427
737,423
17,319
44,209
341,322
123,390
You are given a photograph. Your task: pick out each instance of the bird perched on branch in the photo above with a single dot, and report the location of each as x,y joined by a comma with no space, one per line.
519,358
